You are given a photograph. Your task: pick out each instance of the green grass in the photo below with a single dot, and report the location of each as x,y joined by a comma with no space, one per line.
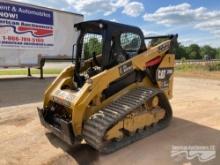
4,72
208,67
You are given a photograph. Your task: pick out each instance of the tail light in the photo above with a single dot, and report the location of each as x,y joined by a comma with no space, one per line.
153,62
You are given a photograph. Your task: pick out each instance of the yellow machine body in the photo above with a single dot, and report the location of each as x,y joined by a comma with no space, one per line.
110,121
78,103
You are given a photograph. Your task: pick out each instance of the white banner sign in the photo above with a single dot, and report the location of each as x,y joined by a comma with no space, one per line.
25,27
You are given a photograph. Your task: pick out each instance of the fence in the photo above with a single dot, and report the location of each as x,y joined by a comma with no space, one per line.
202,61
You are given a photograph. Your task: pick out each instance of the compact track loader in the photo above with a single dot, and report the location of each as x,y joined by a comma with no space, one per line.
117,90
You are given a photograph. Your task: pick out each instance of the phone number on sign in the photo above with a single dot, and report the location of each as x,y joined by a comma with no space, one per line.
23,39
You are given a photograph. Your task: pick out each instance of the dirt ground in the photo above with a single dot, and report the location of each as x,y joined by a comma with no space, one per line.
196,106
214,75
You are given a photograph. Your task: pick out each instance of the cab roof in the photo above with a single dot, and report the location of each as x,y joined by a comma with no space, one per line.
105,24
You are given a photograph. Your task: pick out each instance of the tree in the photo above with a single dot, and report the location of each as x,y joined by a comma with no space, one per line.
218,53
193,51
180,51
209,51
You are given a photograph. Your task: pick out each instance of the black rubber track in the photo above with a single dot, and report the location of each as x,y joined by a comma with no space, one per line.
99,123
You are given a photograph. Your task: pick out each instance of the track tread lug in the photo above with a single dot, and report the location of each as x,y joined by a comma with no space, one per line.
98,124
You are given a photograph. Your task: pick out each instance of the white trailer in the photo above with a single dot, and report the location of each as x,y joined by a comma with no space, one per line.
30,34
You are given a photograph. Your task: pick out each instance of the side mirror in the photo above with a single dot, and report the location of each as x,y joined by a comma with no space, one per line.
74,53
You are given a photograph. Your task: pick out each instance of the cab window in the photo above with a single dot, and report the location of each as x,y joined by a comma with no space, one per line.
130,43
92,44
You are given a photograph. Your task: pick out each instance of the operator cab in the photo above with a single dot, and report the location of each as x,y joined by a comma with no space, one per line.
103,44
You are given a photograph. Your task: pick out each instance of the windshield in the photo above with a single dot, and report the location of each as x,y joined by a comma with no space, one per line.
91,44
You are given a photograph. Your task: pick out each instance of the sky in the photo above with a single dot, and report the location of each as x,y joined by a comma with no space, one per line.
196,21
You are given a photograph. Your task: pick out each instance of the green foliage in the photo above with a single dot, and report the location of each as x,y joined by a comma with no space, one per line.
214,67
190,67
198,67
194,51
4,72
94,45
208,51
218,53
180,52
